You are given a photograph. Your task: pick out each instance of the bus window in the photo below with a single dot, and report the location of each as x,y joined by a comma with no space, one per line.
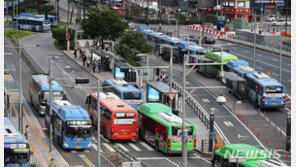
131,95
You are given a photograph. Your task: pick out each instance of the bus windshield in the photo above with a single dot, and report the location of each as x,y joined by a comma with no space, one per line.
274,89
131,95
176,129
56,95
78,129
16,155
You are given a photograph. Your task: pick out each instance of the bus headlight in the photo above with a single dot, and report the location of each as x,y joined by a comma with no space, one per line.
65,144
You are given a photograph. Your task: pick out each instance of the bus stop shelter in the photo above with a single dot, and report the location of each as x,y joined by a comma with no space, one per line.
236,85
158,92
103,57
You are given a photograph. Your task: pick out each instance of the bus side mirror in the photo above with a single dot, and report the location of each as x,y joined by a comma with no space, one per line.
32,152
87,100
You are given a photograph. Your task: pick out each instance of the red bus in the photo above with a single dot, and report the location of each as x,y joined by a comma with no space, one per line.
117,9
118,119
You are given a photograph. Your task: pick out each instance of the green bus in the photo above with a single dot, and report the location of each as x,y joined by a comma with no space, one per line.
243,155
211,57
161,128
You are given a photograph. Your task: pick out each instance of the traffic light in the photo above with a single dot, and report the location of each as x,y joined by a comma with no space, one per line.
81,80
271,1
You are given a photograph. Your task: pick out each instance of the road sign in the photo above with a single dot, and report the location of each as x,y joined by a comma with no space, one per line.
172,95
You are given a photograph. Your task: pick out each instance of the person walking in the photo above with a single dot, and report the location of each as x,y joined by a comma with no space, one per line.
84,59
100,65
97,66
75,53
51,163
80,52
106,64
27,131
94,66
157,71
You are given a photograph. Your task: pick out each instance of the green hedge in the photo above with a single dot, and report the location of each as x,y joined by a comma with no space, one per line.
20,34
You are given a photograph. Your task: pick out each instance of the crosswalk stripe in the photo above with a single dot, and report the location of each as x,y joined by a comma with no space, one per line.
95,147
109,147
146,146
134,147
122,147
86,160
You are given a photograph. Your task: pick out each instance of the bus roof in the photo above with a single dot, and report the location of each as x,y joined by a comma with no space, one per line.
243,150
162,87
216,56
263,79
141,29
161,113
11,134
184,44
263,163
127,88
29,18
69,112
117,105
42,81
116,82
104,95
171,39
235,63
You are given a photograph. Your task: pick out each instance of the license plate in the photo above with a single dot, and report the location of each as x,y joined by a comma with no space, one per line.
274,103
78,147
124,133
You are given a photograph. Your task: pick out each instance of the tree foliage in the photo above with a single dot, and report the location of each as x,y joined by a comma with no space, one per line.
131,44
103,24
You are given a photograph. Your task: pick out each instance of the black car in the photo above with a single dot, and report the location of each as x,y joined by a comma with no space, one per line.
209,40
194,39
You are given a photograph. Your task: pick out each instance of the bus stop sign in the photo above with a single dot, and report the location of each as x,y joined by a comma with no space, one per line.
172,95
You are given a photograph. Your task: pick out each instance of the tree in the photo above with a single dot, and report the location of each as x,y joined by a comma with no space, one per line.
103,24
131,44
46,8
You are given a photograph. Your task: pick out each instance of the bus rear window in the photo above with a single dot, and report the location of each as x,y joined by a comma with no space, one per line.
132,95
176,129
125,115
274,89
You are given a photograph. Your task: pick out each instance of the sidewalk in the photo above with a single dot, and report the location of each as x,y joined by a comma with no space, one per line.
39,142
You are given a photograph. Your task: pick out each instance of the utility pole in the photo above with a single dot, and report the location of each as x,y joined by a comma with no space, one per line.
20,92
211,134
17,18
98,123
147,12
50,102
171,73
281,47
254,58
288,137
203,26
286,13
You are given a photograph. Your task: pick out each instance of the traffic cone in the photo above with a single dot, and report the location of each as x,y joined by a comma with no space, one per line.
258,133
244,120
234,112
281,133
204,154
287,155
264,114
267,140
252,127
275,128
259,111
247,123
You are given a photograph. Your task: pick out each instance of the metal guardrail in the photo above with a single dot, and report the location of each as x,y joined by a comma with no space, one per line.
196,107
264,47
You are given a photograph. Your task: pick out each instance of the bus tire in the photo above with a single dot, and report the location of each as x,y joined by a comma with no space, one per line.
141,134
156,145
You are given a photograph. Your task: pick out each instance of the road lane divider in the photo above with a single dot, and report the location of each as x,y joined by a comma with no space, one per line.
86,160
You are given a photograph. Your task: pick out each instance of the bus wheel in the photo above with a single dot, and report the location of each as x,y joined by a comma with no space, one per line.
141,134
156,145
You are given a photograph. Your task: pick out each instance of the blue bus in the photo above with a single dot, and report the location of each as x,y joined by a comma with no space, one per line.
165,39
51,19
71,125
31,24
39,91
127,93
239,67
141,29
16,147
194,51
265,91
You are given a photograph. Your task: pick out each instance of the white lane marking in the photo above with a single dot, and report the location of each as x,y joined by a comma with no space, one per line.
7,53
261,62
274,59
146,146
246,51
68,66
205,100
259,68
202,158
259,54
289,64
133,140
134,147
227,123
109,147
122,147
73,151
275,74
172,162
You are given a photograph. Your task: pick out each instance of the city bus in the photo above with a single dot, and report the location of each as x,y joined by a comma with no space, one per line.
165,39
71,125
239,67
218,56
243,155
128,93
16,147
31,24
39,92
50,19
119,121
161,128
265,91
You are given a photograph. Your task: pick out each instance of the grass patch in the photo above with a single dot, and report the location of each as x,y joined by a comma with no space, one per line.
64,23
21,33
8,24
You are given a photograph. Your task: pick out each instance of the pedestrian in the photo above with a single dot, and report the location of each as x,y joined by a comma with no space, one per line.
75,53
157,71
83,59
159,26
27,130
94,66
106,64
51,163
100,65
97,65
80,52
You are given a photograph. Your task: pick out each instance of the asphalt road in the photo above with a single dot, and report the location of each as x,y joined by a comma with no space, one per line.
65,69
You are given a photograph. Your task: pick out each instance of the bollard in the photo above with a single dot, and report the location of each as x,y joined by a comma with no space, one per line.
267,140
287,156
244,120
275,128
252,127
247,123
258,133
281,133
276,148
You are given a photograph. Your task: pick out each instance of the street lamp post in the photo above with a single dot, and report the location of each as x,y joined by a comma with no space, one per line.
98,122
20,93
211,134
171,73
50,105
288,136
281,47
254,57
